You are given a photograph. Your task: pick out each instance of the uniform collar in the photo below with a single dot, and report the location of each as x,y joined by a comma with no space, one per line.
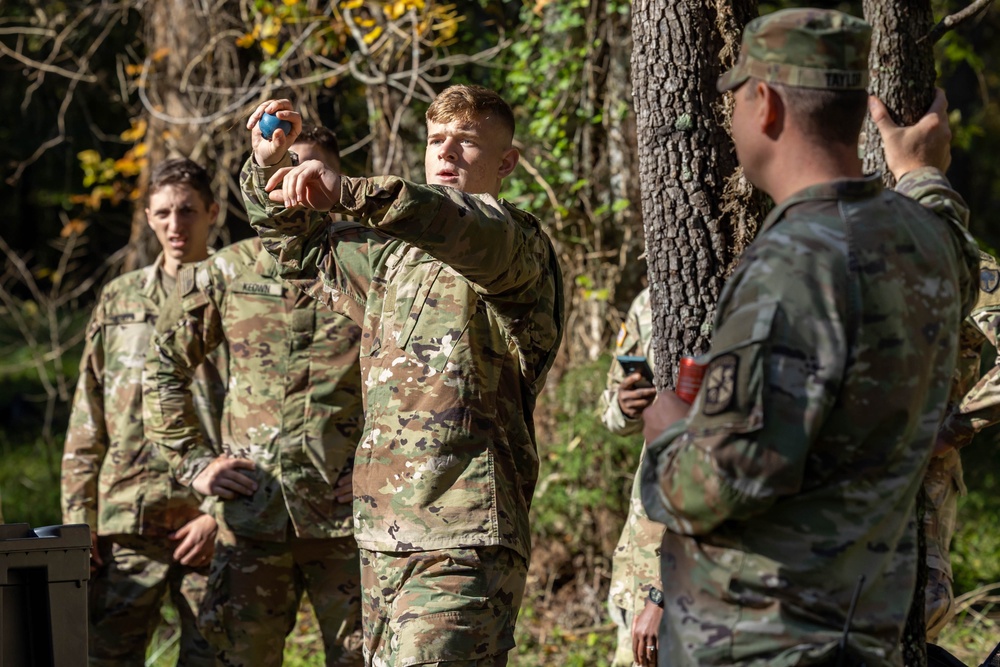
151,277
840,189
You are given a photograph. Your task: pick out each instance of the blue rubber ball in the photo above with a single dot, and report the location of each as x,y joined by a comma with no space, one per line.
269,123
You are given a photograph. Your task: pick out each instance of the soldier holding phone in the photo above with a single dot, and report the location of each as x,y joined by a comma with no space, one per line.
635,598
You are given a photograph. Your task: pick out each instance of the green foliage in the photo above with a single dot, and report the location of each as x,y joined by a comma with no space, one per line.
545,81
29,481
585,471
587,648
977,543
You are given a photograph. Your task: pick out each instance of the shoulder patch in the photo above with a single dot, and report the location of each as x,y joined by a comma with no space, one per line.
720,384
989,279
622,332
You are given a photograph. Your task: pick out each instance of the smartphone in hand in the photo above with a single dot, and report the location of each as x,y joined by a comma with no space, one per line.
631,364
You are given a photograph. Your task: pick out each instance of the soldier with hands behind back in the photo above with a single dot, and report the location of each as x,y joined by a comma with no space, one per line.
290,424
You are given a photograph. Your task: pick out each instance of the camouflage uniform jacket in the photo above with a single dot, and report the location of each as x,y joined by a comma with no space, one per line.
113,478
294,400
975,400
635,566
459,298
974,404
797,467
634,338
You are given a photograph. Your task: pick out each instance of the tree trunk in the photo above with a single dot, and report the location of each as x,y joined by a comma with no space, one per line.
902,68
191,62
698,211
902,71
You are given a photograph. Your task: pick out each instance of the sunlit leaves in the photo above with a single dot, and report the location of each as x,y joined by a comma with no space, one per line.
136,132
74,226
111,179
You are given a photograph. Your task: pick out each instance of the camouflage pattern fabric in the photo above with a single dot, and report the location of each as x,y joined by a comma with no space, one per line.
113,478
635,566
294,408
634,338
459,298
796,470
294,405
803,48
973,405
254,591
412,602
622,619
125,599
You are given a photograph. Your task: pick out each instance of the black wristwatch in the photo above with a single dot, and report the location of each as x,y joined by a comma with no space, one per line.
656,596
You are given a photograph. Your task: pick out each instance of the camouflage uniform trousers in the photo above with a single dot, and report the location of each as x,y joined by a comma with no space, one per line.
125,598
623,623
255,587
942,485
454,607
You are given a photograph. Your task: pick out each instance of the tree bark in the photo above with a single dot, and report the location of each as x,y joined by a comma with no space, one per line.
902,68
190,60
698,211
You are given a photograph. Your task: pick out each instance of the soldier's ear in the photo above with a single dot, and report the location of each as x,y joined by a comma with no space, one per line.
771,111
508,162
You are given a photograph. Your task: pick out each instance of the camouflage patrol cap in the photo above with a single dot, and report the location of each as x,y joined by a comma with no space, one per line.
804,48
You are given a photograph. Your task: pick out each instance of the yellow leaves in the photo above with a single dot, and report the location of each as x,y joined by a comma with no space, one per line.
290,3
266,32
134,69
540,6
112,179
136,132
88,157
271,27
269,46
446,23
74,226
129,166
373,35
393,10
352,4
160,54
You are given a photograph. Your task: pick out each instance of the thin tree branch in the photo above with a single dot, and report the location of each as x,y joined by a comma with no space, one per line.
952,21
38,65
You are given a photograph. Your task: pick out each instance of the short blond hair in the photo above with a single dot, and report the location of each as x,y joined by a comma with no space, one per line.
470,103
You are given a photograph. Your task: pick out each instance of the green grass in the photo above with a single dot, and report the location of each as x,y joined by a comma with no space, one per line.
303,647
29,482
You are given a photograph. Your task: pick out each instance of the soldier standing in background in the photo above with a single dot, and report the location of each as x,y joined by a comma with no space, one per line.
974,405
635,600
459,297
788,488
149,535
291,422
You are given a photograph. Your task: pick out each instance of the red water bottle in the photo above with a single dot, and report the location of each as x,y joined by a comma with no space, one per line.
689,377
